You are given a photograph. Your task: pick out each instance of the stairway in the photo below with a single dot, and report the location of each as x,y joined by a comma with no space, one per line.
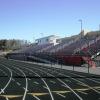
89,61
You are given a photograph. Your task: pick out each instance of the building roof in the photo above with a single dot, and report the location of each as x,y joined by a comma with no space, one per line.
47,37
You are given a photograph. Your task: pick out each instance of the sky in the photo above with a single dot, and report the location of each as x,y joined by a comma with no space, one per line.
32,19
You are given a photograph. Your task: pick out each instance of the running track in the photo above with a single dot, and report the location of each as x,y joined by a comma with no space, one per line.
26,81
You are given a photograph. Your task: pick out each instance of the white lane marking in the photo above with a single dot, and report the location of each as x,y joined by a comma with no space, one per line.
26,90
98,89
61,95
36,75
7,98
18,83
26,87
13,79
36,97
94,80
68,80
52,81
29,79
48,89
83,92
44,83
70,89
44,87
36,82
52,98
84,84
80,84
2,90
16,72
63,83
86,78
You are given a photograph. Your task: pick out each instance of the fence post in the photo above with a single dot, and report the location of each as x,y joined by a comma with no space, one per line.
73,67
88,66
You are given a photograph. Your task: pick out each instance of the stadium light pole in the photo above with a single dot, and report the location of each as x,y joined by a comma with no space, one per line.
33,38
41,45
81,23
81,27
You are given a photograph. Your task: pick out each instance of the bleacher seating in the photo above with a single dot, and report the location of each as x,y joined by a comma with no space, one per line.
73,50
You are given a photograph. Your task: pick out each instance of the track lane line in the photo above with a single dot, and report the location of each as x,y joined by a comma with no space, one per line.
2,90
81,83
86,78
62,83
26,86
43,82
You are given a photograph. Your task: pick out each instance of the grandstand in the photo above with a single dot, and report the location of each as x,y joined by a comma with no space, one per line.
74,50
44,79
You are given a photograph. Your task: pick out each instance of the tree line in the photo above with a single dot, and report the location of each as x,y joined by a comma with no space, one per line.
12,44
